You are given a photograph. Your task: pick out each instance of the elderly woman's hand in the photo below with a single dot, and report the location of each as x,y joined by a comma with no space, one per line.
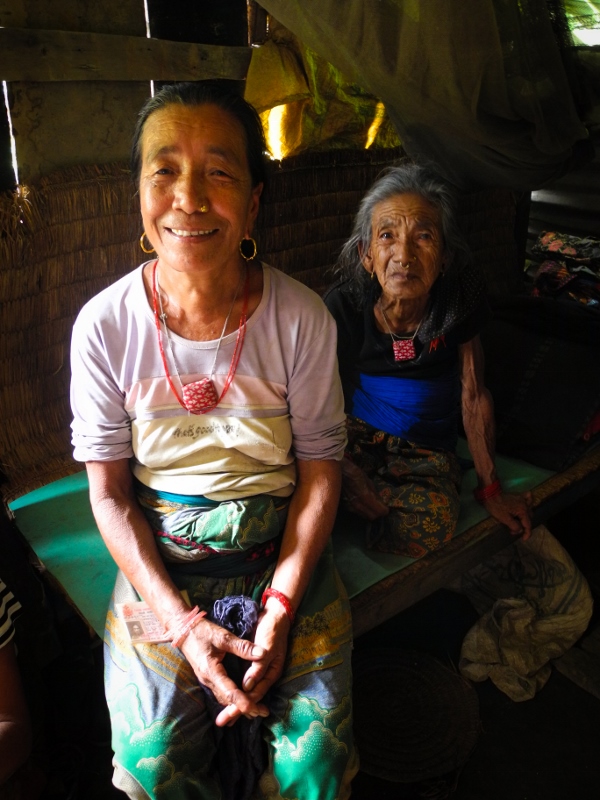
513,510
205,647
359,494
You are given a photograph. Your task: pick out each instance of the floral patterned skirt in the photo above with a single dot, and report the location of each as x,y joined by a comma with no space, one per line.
420,486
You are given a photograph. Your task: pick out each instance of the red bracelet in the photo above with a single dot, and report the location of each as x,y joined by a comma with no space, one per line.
481,495
291,615
191,620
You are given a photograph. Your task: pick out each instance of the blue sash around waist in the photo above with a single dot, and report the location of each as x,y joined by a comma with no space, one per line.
422,411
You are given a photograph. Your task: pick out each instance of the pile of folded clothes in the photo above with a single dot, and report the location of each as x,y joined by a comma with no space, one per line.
568,268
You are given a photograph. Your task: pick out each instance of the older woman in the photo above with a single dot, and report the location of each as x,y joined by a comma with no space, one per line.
209,413
409,309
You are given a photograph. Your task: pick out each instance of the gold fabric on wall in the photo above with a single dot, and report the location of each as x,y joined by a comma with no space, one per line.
476,85
323,109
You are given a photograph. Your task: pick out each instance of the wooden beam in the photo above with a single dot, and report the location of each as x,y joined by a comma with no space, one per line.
106,16
402,589
65,123
42,55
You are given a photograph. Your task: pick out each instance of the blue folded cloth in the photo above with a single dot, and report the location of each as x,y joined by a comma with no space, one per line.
241,752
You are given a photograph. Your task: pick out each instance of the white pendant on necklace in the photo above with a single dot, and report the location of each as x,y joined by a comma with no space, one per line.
200,396
404,349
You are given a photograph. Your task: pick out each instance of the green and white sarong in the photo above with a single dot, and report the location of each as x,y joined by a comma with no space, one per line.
162,734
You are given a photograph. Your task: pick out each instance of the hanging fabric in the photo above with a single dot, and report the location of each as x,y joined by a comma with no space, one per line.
477,86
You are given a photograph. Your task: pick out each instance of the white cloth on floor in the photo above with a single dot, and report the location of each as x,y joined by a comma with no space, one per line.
535,604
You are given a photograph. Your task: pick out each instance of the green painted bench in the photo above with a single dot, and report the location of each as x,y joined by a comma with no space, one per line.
57,522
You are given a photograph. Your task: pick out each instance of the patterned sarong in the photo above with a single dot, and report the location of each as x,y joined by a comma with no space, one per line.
420,486
162,734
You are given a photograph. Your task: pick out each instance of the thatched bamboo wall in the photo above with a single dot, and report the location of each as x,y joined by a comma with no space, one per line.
66,238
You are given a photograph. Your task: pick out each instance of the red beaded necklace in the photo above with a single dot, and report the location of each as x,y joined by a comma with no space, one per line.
200,396
403,346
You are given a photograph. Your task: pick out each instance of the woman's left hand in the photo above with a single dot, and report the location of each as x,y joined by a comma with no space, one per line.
359,494
512,510
272,633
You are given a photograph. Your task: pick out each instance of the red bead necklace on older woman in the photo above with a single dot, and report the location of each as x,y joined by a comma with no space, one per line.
200,396
403,346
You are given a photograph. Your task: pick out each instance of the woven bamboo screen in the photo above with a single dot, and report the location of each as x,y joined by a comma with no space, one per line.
77,231
66,239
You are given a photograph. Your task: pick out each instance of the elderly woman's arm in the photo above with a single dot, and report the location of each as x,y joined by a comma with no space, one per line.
478,420
131,543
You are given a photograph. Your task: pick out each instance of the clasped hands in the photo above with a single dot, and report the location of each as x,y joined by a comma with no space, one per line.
206,646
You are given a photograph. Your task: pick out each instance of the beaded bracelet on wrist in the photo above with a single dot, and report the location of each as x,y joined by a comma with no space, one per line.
487,492
177,635
291,614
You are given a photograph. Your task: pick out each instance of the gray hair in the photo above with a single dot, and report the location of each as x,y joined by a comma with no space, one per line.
407,177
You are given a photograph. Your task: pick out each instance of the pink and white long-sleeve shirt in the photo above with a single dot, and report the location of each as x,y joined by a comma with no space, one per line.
285,401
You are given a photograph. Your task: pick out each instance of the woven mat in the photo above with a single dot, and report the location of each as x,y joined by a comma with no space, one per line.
414,718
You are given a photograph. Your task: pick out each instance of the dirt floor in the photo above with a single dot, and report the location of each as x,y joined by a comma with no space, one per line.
547,748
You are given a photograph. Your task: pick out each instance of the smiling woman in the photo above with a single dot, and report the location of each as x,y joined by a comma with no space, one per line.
239,502
197,198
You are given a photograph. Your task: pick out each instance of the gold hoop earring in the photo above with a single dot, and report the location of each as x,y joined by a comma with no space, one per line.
254,249
142,244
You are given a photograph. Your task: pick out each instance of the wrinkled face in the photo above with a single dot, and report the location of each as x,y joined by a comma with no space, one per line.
196,193
407,248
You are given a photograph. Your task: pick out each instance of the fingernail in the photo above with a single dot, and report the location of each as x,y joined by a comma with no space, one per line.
257,651
254,713
249,685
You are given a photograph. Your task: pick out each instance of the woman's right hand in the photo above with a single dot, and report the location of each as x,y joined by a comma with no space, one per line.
205,647
359,494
